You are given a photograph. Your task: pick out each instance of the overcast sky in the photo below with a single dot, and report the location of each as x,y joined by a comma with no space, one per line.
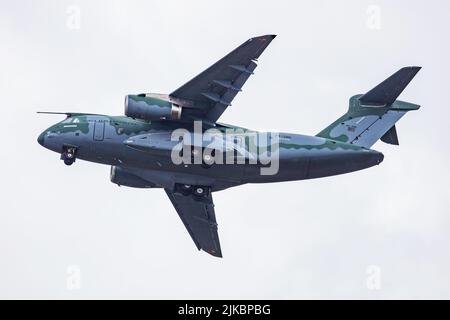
378,233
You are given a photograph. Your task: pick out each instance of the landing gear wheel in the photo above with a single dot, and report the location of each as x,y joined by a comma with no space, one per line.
199,191
68,162
186,189
208,159
68,155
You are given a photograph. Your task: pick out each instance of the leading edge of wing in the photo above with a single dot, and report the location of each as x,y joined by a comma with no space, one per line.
199,218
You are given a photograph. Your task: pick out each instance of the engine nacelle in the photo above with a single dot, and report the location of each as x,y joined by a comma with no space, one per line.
122,177
148,107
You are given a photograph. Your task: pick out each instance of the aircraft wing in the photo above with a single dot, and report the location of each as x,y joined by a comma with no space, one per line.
212,91
199,219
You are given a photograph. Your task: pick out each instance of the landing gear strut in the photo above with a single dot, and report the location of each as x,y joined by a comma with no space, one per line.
68,155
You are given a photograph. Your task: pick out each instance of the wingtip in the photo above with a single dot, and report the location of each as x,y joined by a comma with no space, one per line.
266,36
270,36
414,68
214,253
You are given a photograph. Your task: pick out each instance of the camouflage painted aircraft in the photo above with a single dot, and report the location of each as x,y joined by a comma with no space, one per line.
139,146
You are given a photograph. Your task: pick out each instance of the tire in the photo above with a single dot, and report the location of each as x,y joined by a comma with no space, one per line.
199,191
68,162
208,159
185,189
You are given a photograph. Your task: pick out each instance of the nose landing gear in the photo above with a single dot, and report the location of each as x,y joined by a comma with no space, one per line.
68,155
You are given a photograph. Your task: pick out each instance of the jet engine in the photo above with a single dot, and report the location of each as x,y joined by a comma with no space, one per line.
151,107
122,177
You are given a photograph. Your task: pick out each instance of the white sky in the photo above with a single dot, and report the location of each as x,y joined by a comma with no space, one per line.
306,239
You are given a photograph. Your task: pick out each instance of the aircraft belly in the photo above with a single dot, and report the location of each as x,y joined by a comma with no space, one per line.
310,164
340,163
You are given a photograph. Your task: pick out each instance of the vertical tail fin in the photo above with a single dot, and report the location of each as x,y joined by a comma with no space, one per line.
372,116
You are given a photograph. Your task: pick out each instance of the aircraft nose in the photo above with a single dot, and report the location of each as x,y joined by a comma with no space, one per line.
41,139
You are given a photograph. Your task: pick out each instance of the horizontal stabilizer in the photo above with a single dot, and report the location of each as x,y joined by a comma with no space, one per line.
391,136
387,92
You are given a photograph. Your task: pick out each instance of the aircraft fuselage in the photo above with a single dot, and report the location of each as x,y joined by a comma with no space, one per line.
106,140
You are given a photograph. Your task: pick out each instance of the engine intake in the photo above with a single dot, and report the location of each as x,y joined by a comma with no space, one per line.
147,107
122,177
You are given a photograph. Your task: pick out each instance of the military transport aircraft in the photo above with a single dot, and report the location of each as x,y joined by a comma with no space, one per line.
143,151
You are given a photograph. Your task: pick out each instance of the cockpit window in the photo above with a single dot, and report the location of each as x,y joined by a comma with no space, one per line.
71,120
